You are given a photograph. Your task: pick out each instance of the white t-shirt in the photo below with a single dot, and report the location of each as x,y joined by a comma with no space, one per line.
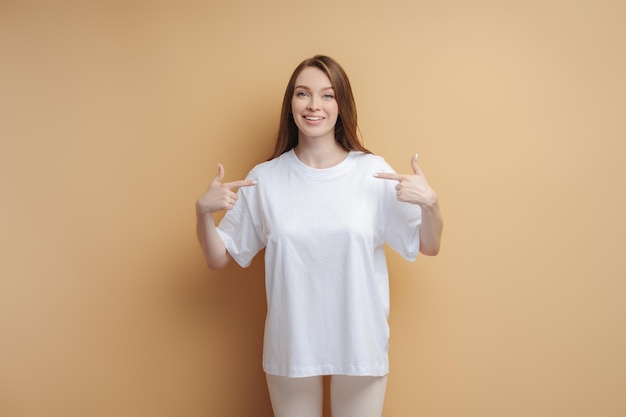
327,283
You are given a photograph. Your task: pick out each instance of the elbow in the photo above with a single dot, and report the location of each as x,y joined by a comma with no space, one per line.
215,265
432,251
430,241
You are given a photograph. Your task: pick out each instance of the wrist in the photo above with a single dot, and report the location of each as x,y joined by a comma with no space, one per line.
203,209
431,202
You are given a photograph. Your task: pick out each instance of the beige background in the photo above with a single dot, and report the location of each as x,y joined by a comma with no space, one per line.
114,115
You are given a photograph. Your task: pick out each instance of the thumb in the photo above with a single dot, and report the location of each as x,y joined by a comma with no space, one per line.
220,174
416,168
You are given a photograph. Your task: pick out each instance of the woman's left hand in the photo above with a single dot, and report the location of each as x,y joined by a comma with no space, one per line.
413,188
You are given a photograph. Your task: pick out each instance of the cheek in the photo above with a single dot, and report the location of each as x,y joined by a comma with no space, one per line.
297,105
334,110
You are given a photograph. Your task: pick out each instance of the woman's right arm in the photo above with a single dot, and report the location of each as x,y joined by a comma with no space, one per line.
219,196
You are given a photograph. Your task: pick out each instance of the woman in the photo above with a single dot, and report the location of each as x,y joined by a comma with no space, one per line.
323,207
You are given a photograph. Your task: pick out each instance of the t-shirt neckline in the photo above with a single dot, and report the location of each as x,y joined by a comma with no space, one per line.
321,173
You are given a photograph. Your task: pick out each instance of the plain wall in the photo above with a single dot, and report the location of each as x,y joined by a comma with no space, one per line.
114,115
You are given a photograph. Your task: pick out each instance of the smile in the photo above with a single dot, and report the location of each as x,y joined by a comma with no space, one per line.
313,118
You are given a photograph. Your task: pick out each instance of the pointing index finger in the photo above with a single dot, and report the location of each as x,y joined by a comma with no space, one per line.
388,176
241,183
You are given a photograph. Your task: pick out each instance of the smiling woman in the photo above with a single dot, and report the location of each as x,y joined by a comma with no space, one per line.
313,106
346,128
111,112
323,208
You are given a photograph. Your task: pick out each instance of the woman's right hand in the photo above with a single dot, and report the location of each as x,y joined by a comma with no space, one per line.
220,196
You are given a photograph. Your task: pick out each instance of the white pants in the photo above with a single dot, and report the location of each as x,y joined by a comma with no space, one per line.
350,396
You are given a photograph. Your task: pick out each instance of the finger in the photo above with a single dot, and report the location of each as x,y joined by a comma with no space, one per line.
388,176
220,173
416,168
238,184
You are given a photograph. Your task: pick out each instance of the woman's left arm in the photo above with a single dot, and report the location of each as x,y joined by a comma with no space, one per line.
414,189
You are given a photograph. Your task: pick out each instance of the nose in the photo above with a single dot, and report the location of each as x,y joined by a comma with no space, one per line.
313,104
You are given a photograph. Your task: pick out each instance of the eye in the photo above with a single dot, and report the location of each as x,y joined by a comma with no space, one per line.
328,96
301,94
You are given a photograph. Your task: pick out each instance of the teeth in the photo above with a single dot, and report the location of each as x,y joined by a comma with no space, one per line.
313,118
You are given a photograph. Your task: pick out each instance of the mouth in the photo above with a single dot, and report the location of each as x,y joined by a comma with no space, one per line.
314,118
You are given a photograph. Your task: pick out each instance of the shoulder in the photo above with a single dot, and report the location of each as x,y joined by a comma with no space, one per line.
270,168
372,161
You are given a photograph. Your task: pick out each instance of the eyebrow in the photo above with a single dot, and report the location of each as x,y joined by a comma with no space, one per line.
307,88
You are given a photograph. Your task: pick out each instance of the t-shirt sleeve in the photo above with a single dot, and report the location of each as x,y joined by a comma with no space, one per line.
240,228
402,222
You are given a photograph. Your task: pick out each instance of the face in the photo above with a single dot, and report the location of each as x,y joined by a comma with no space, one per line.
313,105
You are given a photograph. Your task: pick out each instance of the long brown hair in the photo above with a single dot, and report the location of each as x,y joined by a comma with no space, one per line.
346,128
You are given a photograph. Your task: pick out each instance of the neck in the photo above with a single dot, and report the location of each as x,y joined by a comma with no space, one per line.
320,154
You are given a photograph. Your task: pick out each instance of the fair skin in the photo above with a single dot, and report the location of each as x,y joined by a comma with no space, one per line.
414,189
218,197
315,112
